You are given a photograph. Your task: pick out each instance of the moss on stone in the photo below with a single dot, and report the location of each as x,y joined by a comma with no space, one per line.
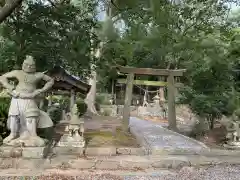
118,138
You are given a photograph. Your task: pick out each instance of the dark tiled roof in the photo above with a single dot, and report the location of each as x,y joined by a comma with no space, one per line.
64,80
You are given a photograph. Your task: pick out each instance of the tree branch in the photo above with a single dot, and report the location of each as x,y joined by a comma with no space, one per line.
8,8
51,2
64,1
114,4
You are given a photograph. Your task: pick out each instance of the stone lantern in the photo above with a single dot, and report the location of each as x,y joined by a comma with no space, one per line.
233,131
74,135
156,100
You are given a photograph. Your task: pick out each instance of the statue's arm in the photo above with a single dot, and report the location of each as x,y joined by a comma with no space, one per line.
4,80
49,83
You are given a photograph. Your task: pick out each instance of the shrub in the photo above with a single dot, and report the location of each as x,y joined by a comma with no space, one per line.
82,107
4,106
200,128
100,99
55,114
107,112
103,99
64,102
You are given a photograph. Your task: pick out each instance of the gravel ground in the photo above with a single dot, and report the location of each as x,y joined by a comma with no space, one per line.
63,177
219,172
227,172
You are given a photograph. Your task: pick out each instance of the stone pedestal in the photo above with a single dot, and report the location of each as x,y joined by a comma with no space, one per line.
74,141
29,141
73,136
22,152
232,145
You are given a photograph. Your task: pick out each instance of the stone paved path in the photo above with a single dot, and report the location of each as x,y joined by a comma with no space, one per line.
158,138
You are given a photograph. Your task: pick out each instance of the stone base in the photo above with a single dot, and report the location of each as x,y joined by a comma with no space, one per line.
101,151
232,145
69,151
131,151
67,141
29,141
21,152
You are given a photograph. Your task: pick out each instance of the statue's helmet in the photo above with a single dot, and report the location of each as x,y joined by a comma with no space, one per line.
29,65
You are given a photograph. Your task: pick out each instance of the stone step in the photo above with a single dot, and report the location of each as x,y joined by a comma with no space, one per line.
40,152
123,163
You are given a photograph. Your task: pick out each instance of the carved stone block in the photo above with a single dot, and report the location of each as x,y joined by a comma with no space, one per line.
24,152
74,141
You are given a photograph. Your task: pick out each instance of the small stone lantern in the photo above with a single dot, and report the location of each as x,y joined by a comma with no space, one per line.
156,99
156,109
233,131
75,131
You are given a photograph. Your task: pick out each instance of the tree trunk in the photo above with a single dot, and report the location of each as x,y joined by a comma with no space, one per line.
8,8
161,90
162,95
212,122
172,122
113,93
91,96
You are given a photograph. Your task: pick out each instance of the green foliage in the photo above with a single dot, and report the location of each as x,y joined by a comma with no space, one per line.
210,79
82,107
4,106
199,129
102,99
53,35
107,112
55,113
63,101
193,35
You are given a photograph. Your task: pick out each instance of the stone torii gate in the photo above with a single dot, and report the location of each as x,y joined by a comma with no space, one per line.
170,74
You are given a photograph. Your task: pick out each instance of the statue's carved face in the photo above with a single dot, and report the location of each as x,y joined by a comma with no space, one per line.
29,65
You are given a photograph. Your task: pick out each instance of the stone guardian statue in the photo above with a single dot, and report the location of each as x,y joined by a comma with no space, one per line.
24,115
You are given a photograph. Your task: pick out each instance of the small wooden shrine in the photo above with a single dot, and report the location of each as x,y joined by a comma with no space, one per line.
67,84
